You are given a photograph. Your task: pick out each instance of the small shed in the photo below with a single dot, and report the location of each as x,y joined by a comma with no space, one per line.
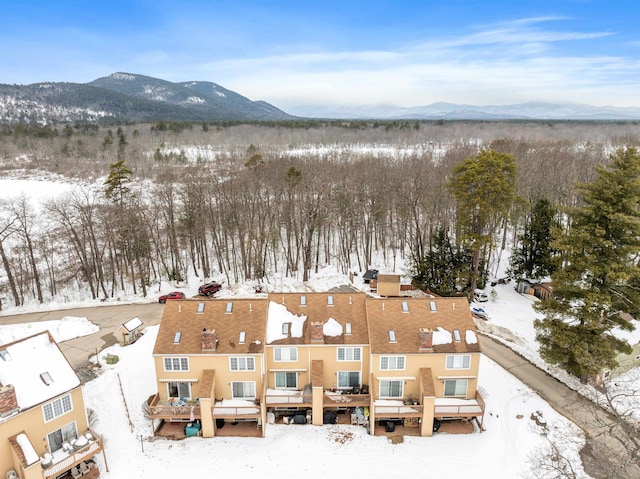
389,284
130,331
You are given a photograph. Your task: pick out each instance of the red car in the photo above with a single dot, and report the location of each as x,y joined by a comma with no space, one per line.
209,288
174,295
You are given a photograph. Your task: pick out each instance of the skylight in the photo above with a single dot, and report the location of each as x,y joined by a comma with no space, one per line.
176,337
285,328
46,378
330,300
456,335
229,307
392,336
243,337
200,308
303,300
347,328
405,307
4,354
433,306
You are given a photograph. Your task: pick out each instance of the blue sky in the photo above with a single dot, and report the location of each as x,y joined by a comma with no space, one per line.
296,54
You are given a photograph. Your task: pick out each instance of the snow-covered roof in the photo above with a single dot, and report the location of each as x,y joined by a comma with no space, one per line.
277,316
332,328
132,324
37,369
30,455
470,336
442,336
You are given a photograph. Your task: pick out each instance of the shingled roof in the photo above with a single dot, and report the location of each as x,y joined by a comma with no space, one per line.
224,319
343,308
411,318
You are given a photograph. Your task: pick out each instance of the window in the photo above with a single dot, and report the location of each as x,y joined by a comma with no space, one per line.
285,354
455,387
57,408
392,363
347,328
176,364
456,335
176,337
200,308
243,389
392,336
432,305
247,363
179,389
348,379
243,337
391,388
58,437
330,300
286,380
229,308
458,361
303,300
405,307
285,328
349,354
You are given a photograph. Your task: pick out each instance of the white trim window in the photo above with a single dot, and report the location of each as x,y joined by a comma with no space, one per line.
348,379
286,379
349,354
179,389
242,363
57,408
285,354
391,388
176,364
66,433
243,389
455,387
458,361
392,363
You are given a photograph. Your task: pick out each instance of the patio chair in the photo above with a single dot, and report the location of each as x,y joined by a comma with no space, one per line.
84,468
75,472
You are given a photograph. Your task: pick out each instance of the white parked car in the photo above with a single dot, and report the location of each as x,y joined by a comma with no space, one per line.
480,296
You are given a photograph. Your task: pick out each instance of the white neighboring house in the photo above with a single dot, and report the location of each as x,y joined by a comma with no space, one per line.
44,431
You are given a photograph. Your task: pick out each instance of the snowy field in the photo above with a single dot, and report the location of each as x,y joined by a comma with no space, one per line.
505,449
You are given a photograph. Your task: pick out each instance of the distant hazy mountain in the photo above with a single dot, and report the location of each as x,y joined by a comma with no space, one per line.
129,97
452,111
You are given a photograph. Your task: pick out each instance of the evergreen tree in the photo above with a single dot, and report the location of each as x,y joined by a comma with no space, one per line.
533,258
442,268
599,277
484,189
115,186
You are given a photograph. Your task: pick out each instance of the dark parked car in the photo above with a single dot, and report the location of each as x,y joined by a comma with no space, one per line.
173,295
209,288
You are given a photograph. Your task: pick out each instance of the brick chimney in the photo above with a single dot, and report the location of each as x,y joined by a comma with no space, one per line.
425,339
209,339
317,334
8,400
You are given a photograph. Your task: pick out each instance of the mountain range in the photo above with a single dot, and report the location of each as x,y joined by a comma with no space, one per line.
130,97
136,98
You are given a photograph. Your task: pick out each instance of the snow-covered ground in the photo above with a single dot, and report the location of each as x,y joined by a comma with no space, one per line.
505,449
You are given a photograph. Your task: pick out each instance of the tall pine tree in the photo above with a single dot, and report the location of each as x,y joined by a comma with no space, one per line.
599,277
484,188
533,258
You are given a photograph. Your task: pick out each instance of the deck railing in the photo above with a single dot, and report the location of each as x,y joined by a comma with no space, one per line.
59,465
174,409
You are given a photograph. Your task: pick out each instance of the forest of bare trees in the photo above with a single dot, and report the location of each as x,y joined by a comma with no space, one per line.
247,202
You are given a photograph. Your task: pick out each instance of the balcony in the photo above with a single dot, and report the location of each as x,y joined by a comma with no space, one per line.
72,454
237,408
288,398
455,407
177,409
345,398
397,408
